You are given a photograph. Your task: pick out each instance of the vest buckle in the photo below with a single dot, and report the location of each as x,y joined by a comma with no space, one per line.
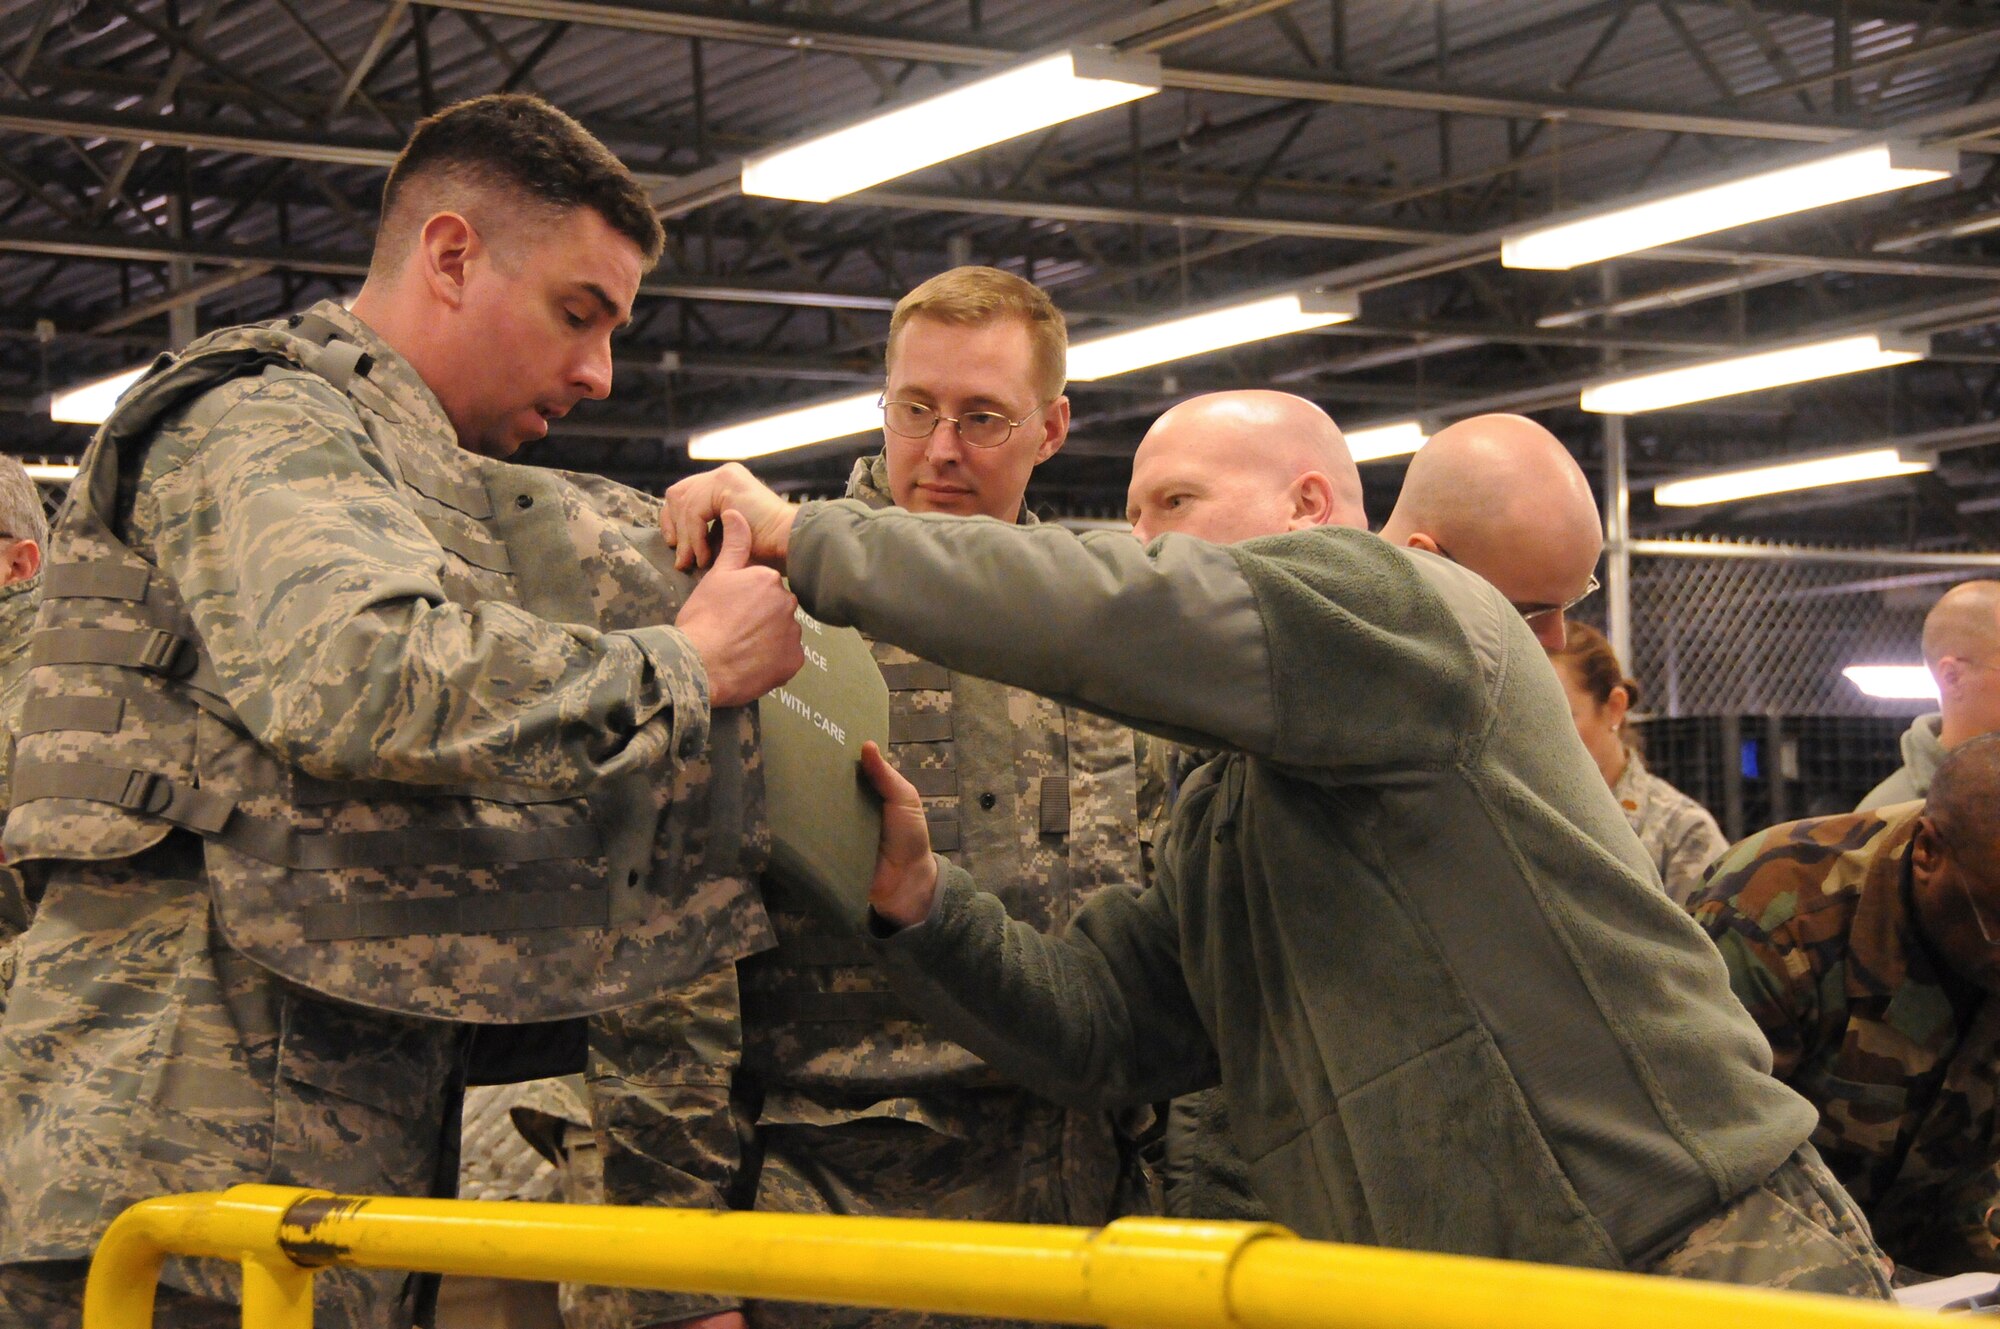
166,654
141,790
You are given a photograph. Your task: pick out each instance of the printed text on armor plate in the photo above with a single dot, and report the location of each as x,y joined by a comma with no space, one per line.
812,716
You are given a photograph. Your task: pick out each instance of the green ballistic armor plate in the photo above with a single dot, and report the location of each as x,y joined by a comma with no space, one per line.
825,818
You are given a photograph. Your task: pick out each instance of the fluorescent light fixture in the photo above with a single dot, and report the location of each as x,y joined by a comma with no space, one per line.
1213,330
1811,473
990,110
788,429
1893,682
89,403
51,472
1752,373
1855,173
1379,441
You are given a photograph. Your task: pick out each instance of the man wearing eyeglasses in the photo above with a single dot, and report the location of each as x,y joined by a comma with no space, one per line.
1502,496
1867,946
803,1083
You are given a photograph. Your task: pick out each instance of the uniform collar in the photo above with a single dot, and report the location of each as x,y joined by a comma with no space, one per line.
869,482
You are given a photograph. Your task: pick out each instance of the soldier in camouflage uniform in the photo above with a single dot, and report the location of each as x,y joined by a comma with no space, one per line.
802,1084
1865,946
24,533
340,734
1679,834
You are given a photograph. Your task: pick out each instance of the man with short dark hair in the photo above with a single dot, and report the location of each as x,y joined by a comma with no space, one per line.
1867,947
348,740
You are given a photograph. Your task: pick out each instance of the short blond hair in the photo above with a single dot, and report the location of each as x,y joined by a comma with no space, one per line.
967,297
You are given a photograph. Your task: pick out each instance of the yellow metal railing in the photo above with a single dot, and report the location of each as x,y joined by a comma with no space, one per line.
1138,1273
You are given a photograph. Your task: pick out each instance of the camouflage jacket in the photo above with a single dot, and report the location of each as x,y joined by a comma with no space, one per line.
423,708
1040,802
363,630
17,616
1899,1056
1679,834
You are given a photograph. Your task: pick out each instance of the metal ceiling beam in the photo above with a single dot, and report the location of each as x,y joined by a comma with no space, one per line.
146,249
843,38
1402,96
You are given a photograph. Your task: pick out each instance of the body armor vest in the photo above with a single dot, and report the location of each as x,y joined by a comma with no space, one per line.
480,902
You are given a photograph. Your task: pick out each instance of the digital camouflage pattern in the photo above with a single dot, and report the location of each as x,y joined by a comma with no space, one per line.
1899,1057
375,656
17,615
442,767
1679,834
18,601
1797,1231
803,1084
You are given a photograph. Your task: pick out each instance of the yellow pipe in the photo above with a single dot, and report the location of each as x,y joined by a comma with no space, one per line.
1134,1274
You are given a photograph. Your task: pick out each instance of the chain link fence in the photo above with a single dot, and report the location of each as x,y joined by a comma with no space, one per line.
1756,636
1738,652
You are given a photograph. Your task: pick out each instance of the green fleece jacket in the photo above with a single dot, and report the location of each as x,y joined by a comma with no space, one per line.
1401,922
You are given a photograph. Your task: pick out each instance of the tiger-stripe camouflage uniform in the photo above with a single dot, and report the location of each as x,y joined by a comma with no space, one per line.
803,1084
336,735
1899,1055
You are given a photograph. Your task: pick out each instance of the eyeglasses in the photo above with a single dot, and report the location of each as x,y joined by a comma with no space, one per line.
1537,611
976,429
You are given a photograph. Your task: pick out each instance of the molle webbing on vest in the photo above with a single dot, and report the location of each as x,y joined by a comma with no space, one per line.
458,914
920,727
943,824
790,1007
92,715
1054,809
219,819
97,581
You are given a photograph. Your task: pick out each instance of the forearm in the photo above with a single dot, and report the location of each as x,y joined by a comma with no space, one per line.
435,693
1168,640
1098,1018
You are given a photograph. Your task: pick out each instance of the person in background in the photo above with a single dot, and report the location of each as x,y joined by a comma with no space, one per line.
1962,651
1501,495
1867,947
1678,833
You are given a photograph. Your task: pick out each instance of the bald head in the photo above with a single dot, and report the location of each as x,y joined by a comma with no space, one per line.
1501,495
1962,648
1230,466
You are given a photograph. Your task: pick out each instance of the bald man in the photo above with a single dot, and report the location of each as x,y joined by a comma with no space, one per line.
1501,495
1231,465
1400,920
1862,944
1962,650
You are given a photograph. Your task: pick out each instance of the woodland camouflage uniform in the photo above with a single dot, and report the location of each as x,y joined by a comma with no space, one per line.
1899,1055
337,736
801,1084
